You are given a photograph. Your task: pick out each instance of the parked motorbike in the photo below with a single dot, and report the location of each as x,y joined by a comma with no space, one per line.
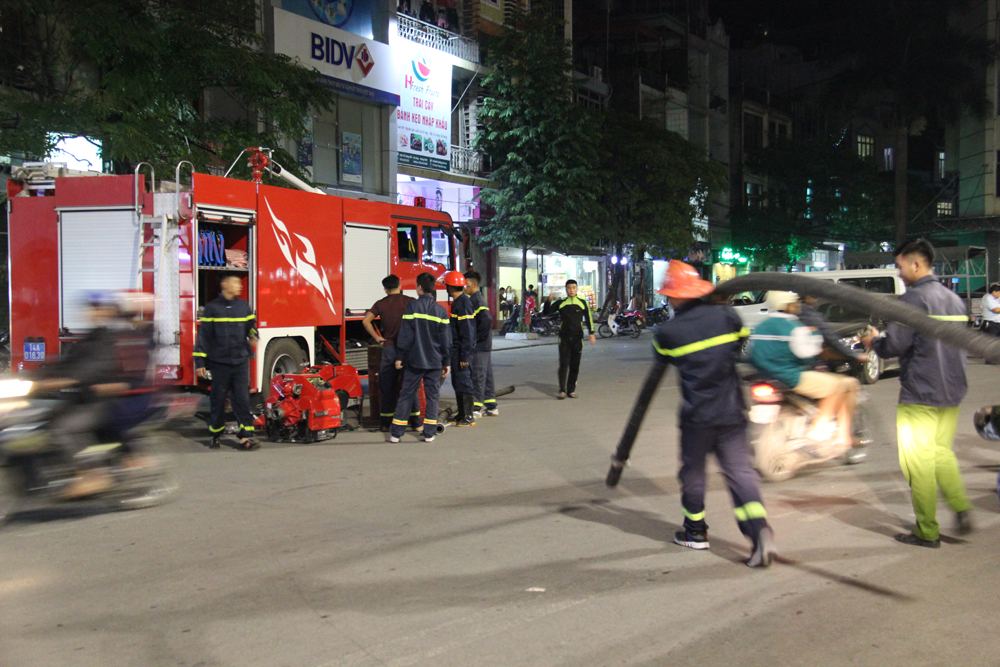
4,351
783,419
625,324
657,314
35,472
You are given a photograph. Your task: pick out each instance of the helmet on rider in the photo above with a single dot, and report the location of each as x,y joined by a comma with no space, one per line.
683,282
452,279
135,304
780,300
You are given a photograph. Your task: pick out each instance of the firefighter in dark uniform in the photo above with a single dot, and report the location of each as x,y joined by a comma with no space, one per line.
463,344
482,363
702,341
226,331
423,350
573,312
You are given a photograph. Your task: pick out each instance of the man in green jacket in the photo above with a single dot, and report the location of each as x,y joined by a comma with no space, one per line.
783,349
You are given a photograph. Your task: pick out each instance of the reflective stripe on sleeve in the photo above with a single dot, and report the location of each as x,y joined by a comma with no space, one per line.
199,354
950,318
698,346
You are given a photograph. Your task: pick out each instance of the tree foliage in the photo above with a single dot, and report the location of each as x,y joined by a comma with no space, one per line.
653,184
542,145
131,74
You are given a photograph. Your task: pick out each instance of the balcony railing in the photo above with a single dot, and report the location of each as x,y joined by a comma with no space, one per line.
466,161
437,38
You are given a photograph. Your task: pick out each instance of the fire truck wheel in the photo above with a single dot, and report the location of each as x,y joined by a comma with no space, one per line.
283,357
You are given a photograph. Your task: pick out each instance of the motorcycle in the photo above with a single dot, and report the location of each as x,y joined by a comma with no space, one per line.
625,324
657,314
783,420
4,352
35,472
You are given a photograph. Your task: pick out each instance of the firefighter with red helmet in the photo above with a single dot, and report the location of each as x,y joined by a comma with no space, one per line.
463,345
702,341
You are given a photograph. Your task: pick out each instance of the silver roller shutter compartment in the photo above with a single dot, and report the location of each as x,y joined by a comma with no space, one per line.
366,263
98,250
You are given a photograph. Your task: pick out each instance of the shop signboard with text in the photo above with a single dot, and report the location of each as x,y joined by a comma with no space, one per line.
423,119
349,64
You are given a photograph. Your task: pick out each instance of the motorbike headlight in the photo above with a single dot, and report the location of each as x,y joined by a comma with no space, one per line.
14,388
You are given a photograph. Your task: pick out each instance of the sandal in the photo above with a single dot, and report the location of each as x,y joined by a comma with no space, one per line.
561,395
574,395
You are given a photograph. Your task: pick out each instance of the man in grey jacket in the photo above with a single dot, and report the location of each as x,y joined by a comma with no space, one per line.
932,386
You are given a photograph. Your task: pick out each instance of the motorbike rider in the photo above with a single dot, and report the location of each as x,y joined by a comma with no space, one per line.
702,341
783,348
463,341
101,368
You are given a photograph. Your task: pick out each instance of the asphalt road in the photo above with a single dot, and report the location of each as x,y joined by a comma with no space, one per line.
500,545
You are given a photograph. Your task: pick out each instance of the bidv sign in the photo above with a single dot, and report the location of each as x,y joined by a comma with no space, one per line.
335,52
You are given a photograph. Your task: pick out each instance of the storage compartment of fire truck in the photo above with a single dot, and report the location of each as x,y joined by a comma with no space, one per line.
225,238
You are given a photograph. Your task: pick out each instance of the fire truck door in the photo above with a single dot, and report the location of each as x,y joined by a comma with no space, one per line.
366,263
98,250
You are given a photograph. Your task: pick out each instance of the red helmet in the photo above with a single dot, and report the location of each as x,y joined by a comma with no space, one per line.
683,282
452,279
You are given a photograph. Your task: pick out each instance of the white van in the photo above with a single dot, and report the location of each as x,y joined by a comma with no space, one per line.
753,310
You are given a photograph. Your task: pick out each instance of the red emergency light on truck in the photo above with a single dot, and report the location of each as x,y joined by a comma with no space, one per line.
312,263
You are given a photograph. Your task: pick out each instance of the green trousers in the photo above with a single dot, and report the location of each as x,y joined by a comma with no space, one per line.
925,435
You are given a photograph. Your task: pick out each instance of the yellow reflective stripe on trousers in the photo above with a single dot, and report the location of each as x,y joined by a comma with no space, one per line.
432,422
749,511
399,422
950,318
228,319
694,516
216,430
424,316
702,344
198,354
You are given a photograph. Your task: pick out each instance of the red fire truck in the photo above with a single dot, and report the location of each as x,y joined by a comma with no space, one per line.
312,263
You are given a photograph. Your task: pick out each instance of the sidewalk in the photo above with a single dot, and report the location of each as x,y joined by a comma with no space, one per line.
501,343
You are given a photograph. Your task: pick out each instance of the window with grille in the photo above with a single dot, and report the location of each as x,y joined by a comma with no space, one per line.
866,146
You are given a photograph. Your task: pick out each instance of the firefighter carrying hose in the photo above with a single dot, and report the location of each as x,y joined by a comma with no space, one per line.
463,345
702,341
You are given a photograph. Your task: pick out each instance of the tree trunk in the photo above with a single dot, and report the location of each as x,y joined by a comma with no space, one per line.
901,160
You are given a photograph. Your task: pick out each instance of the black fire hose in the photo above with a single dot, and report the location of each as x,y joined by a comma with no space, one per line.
882,306
879,305
642,402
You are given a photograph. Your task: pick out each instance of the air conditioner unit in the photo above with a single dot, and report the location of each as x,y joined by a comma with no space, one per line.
596,73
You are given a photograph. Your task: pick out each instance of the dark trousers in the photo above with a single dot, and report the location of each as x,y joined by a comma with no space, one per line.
729,444
232,379
461,378
482,380
388,386
409,393
991,328
570,351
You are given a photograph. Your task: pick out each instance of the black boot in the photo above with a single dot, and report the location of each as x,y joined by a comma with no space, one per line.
459,408
466,406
